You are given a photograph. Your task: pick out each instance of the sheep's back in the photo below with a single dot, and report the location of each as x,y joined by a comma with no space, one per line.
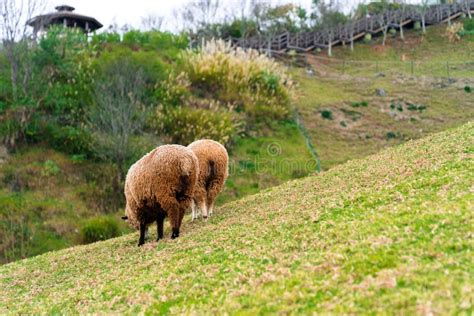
209,152
159,174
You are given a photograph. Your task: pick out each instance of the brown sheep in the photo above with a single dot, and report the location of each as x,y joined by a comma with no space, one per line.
160,184
213,171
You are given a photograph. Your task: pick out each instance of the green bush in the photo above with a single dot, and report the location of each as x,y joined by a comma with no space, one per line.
50,168
391,135
367,38
251,82
467,89
185,125
99,228
359,104
68,139
326,114
105,38
468,25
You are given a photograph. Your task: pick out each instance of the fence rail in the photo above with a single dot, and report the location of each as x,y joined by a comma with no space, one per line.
353,30
447,69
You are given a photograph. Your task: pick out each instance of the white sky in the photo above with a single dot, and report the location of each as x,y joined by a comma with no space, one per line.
131,11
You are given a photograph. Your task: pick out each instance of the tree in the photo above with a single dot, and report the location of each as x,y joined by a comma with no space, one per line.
422,9
14,32
152,22
199,14
118,114
467,7
384,21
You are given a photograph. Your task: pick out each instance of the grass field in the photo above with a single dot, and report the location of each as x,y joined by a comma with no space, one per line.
391,233
347,119
431,55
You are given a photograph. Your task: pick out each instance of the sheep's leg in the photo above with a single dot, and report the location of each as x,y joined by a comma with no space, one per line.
174,216
211,208
175,233
159,227
203,209
193,211
141,241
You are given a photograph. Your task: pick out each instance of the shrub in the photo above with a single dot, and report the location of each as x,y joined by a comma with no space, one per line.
50,168
453,32
416,107
367,38
359,104
252,81
185,125
468,25
391,135
68,139
175,90
326,114
99,228
467,89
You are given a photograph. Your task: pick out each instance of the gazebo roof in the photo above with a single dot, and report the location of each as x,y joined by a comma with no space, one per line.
65,12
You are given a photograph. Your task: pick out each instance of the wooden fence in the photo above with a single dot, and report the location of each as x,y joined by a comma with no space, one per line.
446,69
353,30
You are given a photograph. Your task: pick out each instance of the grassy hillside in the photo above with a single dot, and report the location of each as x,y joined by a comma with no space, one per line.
347,119
386,233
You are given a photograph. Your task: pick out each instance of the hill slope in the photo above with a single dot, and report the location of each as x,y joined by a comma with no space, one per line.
346,117
389,232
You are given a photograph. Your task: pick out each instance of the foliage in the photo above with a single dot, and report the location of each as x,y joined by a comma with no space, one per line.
360,104
99,228
326,114
468,25
247,80
185,125
118,113
453,32
68,139
63,62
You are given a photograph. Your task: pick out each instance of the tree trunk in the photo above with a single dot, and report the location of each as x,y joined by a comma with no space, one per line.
423,24
13,68
402,36
385,30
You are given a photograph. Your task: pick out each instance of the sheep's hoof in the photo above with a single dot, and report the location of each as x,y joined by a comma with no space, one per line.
175,233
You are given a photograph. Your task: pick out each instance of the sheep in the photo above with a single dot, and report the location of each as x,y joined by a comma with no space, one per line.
160,184
213,171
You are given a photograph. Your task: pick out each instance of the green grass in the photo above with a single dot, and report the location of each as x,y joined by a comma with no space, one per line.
45,200
276,155
357,131
48,198
387,233
430,54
